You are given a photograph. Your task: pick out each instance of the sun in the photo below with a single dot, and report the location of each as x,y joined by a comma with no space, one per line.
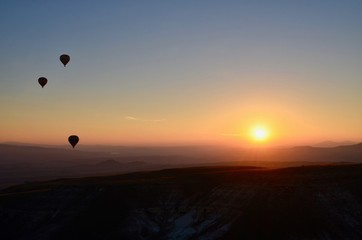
260,134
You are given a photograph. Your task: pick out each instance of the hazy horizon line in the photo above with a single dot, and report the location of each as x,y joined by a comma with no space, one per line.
332,143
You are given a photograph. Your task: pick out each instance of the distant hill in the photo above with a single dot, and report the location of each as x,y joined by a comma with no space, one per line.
215,202
329,144
33,163
36,154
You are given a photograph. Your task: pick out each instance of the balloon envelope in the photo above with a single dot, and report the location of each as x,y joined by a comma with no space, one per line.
73,140
42,81
64,59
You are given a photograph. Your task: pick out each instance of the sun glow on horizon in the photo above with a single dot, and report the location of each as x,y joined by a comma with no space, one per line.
260,134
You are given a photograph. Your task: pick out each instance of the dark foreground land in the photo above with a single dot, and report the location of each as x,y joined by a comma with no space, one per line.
314,202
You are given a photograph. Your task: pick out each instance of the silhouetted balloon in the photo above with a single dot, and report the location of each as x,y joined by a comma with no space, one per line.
73,140
64,59
42,81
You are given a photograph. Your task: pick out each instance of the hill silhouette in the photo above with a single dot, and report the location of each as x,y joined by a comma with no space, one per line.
215,202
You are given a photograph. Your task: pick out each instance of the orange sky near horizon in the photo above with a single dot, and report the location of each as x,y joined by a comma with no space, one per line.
223,126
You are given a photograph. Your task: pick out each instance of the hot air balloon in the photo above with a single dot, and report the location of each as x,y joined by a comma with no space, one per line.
42,81
73,140
64,59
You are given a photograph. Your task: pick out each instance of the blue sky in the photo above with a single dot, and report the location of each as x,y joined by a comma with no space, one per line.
207,69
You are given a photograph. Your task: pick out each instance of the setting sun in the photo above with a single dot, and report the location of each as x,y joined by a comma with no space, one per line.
260,134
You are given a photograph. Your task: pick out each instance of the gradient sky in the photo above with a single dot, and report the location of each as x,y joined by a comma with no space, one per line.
181,72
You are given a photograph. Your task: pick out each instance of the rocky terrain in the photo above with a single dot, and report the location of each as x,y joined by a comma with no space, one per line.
314,202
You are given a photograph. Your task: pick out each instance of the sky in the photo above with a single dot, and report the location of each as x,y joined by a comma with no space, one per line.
181,72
